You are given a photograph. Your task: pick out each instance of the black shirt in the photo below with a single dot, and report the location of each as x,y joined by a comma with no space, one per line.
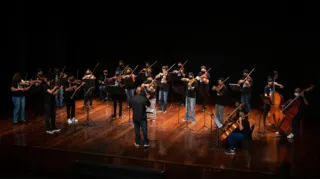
48,98
152,95
139,104
202,84
164,86
221,100
120,68
192,93
17,93
103,78
128,83
89,83
63,81
68,94
268,90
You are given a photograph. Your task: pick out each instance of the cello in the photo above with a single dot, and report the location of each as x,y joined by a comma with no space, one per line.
230,125
291,110
276,101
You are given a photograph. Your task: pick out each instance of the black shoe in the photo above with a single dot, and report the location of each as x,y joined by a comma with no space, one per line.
113,116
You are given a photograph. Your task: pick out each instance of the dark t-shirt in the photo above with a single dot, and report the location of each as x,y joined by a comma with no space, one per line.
267,90
103,78
89,83
221,100
17,93
139,104
68,94
48,98
192,93
152,95
128,83
164,86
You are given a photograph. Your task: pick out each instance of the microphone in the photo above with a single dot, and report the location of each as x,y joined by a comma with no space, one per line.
210,114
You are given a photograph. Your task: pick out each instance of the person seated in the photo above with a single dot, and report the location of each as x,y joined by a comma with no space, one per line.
241,133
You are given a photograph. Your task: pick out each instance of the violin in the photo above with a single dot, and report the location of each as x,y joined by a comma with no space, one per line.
191,83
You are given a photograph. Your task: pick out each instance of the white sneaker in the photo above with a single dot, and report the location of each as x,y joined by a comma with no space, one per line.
135,144
74,120
290,136
49,132
146,145
56,130
69,121
164,112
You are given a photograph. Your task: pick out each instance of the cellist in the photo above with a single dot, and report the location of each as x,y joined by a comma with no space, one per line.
268,91
303,103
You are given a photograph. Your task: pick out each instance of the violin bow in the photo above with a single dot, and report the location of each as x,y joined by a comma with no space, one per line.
95,68
77,90
77,74
209,70
234,111
62,71
226,79
183,65
153,63
249,74
134,69
171,67
124,69
26,76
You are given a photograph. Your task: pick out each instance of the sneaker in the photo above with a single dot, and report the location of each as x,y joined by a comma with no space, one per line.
49,132
146,145
74,120
165,111
69,121
193,122
14,123
290,136
56,130
135,144
230,152
120,117
153,120
184,120
159,111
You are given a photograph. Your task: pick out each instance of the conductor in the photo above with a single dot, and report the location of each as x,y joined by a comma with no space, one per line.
139,104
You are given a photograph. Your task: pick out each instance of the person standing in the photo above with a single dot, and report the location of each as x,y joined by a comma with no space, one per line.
221,90
203,77
69,89
129,80
102,81
190,97
50,91
18,97
246,83
37,92
139,104
164,89
89,79
150,89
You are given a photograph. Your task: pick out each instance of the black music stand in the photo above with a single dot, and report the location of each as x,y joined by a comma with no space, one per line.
89,122
179,106
235,87
204,121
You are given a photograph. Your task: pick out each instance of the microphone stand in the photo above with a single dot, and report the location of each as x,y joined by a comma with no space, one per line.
204,121
89,121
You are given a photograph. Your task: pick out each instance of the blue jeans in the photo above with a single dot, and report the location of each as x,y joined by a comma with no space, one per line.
143,124
129,93
59,98
19,105
246,98
101,92
163,100
190,108
234,138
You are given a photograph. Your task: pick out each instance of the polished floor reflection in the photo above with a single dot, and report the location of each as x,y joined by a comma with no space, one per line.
169,140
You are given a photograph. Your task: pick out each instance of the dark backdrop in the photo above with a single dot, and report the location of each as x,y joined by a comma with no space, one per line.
48,35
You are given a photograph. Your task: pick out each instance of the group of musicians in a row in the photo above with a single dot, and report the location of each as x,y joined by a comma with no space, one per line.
61,87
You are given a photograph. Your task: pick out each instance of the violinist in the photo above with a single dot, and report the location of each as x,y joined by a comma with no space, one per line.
118,98
303,103
190,97
18,97
203,77
147,70
246,90
69,89
164,89
102,83
121,66
150,88
50,91
89,79
129,79
61,78
268,90
37,92
180,71
241,133
221,89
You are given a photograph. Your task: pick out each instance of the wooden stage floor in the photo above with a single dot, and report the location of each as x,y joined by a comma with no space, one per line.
170,142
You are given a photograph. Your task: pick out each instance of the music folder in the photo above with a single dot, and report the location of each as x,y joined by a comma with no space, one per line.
234,86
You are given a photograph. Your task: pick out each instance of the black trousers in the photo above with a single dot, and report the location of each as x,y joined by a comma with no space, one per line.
50,116
266,109
115,107
204,95
71,106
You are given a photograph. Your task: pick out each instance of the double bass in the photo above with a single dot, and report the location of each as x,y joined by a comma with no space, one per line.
290,111
275,102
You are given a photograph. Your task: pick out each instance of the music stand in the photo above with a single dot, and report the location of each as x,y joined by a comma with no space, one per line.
178,113
234,87
217,143
204,121
89,121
